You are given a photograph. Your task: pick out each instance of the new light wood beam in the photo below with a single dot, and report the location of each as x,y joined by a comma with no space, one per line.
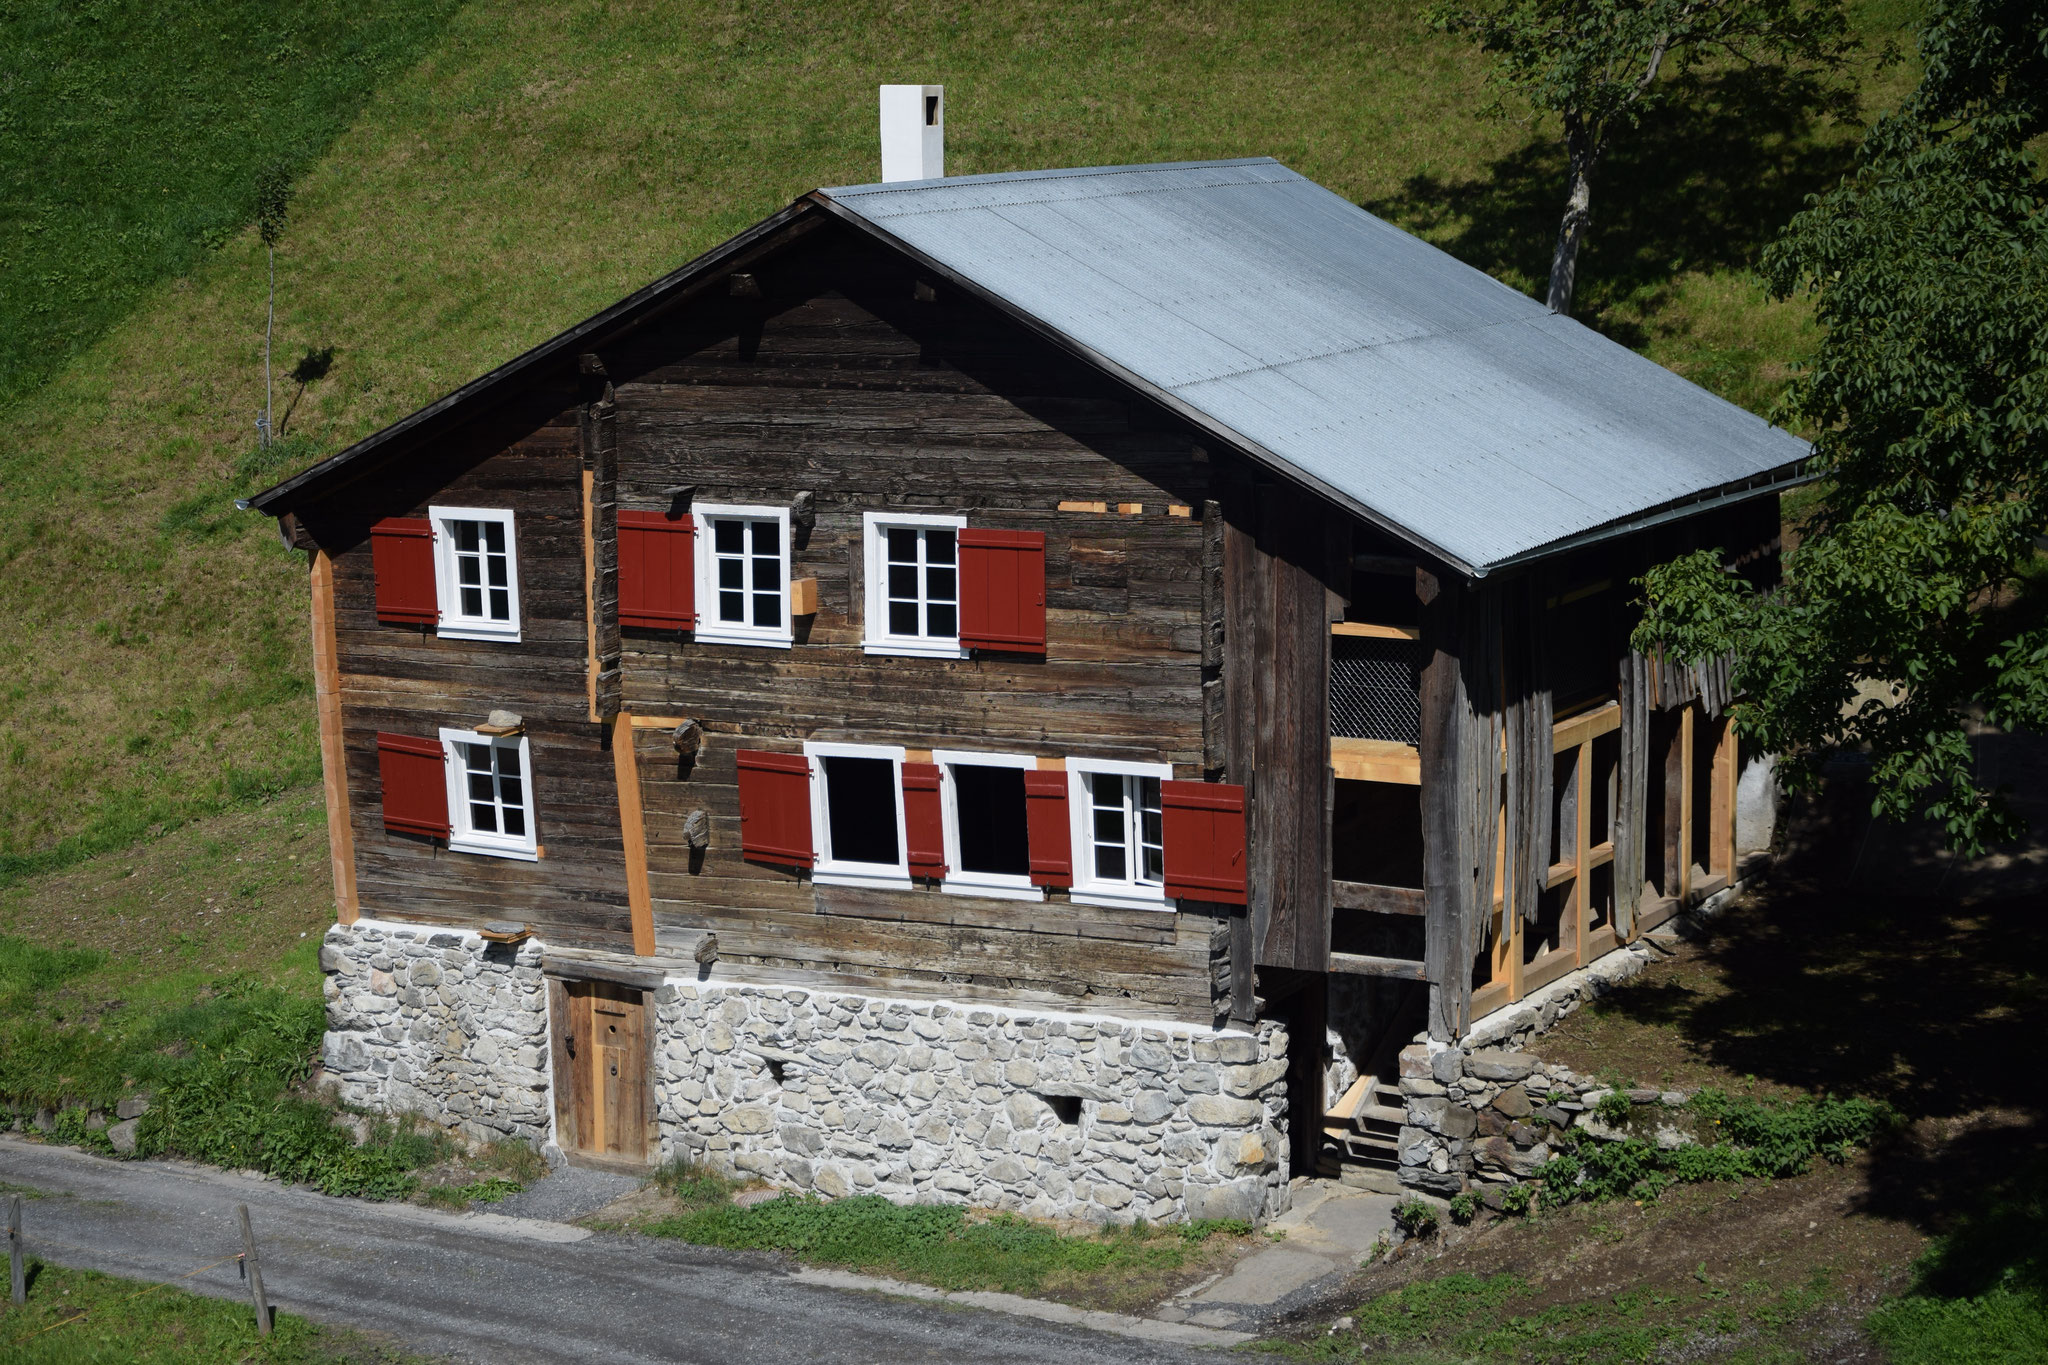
1366,630
633,826
1585,728
341,839
1375,760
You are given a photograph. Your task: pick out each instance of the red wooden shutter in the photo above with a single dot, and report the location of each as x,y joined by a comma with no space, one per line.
924,828
657,571
1050,837
1002,590
402,556
414,773
1203,830
775,807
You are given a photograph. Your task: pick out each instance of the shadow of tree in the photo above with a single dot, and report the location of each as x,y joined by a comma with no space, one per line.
1703,183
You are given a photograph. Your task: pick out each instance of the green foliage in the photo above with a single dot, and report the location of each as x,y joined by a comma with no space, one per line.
1517,1199
1464,1207
1751,1138
492,1190
1928,271
1980,1294
1415,1217
273,201
933,1243
1614,1108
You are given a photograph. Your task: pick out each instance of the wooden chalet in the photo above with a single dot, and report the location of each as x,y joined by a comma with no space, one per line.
1157,603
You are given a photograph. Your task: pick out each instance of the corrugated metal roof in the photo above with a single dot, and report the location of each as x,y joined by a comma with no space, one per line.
1428,395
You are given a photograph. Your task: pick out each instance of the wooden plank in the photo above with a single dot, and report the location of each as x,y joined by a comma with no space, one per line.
1585,727
562,1018
1721,840
1352,1099
1360,964
1445,879
590,593
1489,998
634,829
1384,900
1084,507
1548,967
1375,760
341,844
1685,812
1362,630
1581,908
1652,911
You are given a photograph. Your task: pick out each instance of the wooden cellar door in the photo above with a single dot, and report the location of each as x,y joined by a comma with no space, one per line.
604,1114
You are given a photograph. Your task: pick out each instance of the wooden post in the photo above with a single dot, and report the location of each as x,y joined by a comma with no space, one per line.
1685,743
633,826
590,595
17,1263
1582,879
254,1271
341,843
1721,851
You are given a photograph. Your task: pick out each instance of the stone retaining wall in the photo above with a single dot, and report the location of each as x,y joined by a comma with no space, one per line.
1054,1115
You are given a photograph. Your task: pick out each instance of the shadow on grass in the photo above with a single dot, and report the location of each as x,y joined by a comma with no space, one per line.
1703,184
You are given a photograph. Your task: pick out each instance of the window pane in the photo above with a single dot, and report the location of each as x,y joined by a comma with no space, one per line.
1109,863
468,570
903,618
767,538
481,788
483,819
988,805
508,760
767,608
938,546
939,585
903,581
1107,789
497,566
732,606
494,535
472,601
515,822
1109,826
768,575
732,573
942,622
729,536
860,809
902,546
465,536
501,605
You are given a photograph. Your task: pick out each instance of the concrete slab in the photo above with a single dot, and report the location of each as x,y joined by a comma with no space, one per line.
1328,1230
1268,1277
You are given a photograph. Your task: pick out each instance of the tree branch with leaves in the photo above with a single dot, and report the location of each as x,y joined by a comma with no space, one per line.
1600,65
1917,601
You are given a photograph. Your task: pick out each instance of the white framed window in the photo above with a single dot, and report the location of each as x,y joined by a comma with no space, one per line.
490,795
476,573
988,848
857,814
1119,855
912,561
743,567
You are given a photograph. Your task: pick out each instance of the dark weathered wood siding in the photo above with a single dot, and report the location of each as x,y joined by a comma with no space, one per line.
840,382
411,681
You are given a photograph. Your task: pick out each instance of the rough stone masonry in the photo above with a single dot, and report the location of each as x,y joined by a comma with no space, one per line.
1052,1115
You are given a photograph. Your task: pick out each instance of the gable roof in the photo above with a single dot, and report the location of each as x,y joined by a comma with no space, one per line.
1393,378
1396,381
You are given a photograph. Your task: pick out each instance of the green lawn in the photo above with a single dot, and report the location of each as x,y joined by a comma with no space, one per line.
538,162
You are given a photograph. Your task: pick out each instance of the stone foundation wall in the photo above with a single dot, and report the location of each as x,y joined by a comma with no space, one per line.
440,1023
1045,1114
1053,1115
1484,1112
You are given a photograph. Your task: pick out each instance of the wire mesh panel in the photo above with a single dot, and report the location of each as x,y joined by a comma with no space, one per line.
1375,688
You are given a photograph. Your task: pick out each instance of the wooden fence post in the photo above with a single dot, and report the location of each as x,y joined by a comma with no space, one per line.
17,1268
254,1271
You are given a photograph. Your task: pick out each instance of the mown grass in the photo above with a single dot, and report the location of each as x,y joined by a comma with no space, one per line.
80,1317
152,653
935,1244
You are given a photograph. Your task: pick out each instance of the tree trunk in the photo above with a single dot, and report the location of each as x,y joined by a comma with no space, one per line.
1583,151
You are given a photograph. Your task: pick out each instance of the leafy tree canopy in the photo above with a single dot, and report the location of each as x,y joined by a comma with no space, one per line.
1598,65
1912,600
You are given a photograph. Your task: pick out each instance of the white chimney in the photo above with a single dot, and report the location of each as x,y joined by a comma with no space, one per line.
913,132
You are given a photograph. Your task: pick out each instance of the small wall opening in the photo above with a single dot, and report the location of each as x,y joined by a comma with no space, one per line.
1376,833
1377,935
1065,1108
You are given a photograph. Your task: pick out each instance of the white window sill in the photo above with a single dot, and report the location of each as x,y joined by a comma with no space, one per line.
507,631
843,875
728,635
462,844
919,649
994,887
1120,900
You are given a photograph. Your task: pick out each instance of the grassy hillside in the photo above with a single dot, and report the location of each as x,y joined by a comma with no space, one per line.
541,161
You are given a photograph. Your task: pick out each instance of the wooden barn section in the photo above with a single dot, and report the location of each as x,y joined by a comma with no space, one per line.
1163,600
